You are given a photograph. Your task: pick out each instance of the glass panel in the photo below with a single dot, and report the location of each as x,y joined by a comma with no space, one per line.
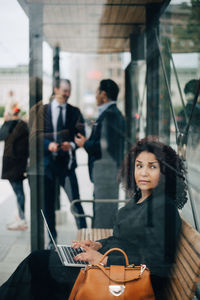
180,35
14,112
81,81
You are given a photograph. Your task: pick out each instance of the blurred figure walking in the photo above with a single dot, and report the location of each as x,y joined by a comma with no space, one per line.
14,132
191,89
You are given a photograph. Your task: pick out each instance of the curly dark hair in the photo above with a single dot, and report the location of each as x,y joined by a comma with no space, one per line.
171,166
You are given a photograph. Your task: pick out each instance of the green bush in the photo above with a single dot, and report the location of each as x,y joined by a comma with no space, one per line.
2,110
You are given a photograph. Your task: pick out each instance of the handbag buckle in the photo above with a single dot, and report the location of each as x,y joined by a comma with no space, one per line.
143,267
116,290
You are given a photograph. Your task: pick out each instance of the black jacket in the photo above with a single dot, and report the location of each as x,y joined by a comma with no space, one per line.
148,232
195,121
16,149
109,128
74,123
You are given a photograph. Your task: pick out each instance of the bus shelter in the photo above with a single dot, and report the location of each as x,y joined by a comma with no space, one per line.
102,27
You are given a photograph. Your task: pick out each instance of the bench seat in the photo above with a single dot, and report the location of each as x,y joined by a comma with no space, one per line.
93,234
186,271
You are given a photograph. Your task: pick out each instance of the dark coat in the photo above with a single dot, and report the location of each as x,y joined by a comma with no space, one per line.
109,131
74,123
16,149
195,121
105,149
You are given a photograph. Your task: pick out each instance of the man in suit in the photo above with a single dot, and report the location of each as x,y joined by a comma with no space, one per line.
62,122
105,148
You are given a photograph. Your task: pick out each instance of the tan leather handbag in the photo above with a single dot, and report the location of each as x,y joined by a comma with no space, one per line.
103,283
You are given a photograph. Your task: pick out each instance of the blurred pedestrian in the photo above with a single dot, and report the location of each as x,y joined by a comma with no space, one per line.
14,132
190,90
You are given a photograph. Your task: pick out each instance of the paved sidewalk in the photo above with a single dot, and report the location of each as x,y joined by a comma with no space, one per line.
14,245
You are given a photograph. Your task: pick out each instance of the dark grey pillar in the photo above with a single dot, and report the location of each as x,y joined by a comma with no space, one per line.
36,125
153,93
153,13
131,88
131,103
164,107
56,77
56,65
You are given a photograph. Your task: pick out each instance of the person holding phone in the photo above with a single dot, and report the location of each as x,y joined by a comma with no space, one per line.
62,122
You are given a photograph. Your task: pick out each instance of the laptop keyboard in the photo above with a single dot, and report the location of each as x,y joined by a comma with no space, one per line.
70,253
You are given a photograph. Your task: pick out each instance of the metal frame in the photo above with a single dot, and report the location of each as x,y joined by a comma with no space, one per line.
36,178
92,202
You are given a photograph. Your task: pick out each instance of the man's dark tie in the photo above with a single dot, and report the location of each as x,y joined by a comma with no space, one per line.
59,125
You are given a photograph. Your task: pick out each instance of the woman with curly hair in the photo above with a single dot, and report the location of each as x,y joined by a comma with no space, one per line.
147,228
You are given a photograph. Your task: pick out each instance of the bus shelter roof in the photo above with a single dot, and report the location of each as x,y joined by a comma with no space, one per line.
92,26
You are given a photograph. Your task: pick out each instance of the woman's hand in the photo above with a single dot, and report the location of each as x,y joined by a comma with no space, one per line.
91,244
90,255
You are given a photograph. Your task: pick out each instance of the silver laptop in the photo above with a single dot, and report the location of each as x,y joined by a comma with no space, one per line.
65,252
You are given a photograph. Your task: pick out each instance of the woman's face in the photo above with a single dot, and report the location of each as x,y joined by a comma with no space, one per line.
147,172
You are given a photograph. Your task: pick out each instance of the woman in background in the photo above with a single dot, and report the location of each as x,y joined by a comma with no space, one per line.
14,132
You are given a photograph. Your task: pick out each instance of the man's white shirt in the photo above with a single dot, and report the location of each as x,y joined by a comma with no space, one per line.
104,106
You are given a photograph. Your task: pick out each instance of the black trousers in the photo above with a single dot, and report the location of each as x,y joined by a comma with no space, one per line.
41,276
70,184
19,192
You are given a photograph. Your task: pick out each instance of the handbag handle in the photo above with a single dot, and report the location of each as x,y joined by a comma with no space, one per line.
115,249
125,280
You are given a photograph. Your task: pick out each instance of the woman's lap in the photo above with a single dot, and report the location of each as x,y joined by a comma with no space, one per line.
40,276
159,285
